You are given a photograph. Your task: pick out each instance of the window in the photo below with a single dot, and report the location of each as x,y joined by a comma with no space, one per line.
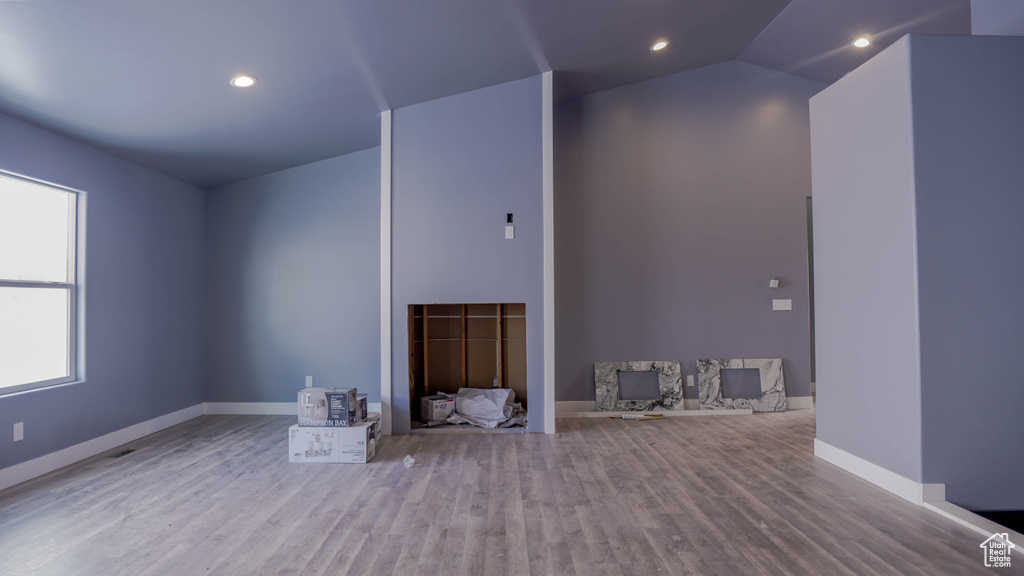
38,293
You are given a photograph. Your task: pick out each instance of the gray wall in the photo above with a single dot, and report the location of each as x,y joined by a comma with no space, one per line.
143,296
459,164
865,283
293,281
676,200
969,146
997,17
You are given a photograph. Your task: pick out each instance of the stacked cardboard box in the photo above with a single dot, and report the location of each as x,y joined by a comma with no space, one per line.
361,408
328,407
334,426
338,444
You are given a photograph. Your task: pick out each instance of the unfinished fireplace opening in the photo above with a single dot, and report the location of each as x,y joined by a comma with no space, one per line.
454,346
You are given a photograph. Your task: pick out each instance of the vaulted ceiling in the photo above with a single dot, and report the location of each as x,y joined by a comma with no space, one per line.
148,80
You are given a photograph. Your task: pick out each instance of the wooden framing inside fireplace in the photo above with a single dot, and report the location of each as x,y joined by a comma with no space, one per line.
454,346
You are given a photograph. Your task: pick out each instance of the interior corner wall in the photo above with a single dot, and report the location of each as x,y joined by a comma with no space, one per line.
676,200
865,265
968,146
293,281
459,164
143,295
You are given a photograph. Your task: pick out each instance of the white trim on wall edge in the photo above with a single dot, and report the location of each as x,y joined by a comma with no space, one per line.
47,463
904,487
385,270
547,121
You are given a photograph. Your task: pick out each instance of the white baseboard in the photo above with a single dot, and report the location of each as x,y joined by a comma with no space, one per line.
792,403
48,463
905,488
575,406
591,406
253,408
979,524
664,413
799,402
588,409
264,408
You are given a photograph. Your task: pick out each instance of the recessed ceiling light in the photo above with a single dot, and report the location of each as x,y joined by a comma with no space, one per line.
243,81
659,45
861,42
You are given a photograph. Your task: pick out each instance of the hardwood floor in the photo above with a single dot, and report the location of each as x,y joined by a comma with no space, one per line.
216,495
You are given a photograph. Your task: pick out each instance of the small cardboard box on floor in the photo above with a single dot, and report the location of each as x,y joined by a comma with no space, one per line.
355,444
436,408
328,407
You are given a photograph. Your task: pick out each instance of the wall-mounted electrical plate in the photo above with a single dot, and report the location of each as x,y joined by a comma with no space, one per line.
689,379
309,381
19,431
510,232
786,304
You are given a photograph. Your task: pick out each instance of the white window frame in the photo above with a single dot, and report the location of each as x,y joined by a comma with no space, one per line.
70,287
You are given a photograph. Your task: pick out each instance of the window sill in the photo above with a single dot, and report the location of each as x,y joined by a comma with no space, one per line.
5,394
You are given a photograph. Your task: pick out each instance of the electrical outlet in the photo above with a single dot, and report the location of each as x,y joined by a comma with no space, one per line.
510,232
786,304
309,381
19,431
689,379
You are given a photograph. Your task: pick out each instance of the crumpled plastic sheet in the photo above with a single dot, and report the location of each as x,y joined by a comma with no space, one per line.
487,408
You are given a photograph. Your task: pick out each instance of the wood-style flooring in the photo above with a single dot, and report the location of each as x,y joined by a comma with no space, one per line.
737,495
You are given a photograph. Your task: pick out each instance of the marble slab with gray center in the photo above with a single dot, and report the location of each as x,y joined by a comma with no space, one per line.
670,386
773,387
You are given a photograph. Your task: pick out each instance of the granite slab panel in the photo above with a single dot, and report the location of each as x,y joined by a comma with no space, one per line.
670,386
773,387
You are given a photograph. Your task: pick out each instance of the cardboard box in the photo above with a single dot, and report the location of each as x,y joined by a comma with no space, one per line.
333,444
373,419
436,408
361,408
327,407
